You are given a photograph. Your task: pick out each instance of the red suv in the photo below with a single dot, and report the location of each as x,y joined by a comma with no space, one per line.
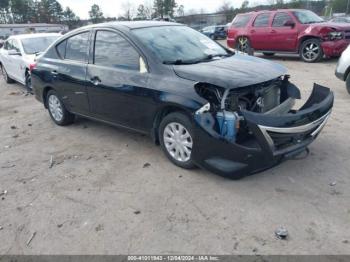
288,31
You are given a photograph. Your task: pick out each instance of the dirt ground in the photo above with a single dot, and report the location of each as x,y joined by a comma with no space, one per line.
99,198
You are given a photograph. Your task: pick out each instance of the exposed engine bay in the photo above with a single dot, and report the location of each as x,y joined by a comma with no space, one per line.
222,116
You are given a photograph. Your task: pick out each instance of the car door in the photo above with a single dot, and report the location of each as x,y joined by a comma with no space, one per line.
259,32
69,72
283,32
16,62
5,57
118,80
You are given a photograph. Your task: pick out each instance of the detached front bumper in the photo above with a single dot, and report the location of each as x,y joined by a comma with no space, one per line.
334,48
276,138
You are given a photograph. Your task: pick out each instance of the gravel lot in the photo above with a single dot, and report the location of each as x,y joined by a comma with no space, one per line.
98,198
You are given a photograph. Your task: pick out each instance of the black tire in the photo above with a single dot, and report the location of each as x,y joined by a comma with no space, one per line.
268,54
311,50
67,118
182,119
243,45
6,77
212,37
348,83
29,83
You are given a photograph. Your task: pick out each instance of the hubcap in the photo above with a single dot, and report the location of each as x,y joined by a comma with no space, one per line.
55,108
243,44
178,141
29,83
311,51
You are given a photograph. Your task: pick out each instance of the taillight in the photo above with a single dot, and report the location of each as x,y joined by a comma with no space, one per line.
31,67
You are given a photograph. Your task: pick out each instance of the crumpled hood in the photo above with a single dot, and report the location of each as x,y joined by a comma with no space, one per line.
337,26
232,72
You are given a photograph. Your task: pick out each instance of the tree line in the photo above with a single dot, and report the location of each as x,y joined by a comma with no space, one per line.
51,11
145,11
36,11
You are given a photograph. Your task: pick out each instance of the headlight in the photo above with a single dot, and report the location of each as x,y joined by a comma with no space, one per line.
335,35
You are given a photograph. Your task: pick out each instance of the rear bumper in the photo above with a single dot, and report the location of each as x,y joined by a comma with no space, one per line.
334,48
277,138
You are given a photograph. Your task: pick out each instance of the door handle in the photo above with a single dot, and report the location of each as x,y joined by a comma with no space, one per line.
252,31
273,31
54,73
95,80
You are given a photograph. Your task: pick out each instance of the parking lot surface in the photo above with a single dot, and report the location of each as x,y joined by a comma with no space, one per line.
94,189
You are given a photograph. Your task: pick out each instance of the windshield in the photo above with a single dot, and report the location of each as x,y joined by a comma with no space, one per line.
37,44
307,17
179,44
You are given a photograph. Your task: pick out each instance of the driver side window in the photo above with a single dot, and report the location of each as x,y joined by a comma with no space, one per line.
15,46
112,50
280,19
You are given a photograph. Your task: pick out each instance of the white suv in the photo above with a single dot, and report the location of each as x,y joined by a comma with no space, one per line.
18,54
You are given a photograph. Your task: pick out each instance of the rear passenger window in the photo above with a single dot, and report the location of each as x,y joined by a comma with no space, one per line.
112,50
61,49
262,20
241,20
77,47
7,45
280,19
15,45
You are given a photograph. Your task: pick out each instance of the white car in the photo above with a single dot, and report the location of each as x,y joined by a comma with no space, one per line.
343,68
18,55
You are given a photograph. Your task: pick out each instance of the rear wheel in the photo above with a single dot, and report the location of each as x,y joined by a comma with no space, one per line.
176,139
311,50
243,45
57,111
29,83
348,83
7,79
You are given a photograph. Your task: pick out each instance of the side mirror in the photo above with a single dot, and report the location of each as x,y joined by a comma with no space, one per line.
289,23
14,52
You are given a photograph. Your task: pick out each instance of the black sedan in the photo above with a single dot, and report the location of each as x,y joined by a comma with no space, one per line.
205,105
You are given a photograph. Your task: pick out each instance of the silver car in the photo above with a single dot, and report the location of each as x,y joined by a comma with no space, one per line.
343,68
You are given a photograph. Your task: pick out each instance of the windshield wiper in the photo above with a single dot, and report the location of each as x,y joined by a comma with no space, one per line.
314,22
211,57
180,62
196,61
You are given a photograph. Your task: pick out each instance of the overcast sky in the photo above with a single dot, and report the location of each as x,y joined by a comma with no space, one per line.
114,7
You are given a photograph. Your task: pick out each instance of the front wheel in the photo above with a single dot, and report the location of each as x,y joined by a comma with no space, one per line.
311,50
57,111
177,138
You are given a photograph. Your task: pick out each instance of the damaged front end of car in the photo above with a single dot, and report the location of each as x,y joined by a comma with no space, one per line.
256,127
